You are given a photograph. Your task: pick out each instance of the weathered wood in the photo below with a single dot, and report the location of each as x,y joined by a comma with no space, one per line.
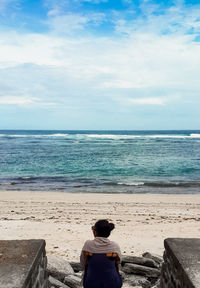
157,284
56,283
141,270
72,281
158,259
140,261
138,280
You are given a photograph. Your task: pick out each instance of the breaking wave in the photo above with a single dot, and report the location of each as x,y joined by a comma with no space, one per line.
103,136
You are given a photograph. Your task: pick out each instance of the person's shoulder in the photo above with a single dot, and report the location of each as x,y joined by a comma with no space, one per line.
89,241
114,244
87,244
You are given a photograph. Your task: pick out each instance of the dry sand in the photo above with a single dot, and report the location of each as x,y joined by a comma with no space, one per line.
64,220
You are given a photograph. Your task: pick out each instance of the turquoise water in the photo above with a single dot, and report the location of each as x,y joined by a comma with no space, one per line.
101,161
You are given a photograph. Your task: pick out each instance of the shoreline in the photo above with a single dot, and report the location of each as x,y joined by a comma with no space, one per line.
150,190
64,219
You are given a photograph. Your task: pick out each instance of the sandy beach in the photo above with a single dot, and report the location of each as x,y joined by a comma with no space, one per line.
64,220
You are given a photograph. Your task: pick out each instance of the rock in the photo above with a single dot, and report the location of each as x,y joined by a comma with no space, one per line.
157,284
135,280
58,267
140,261
122,274
56,283
79,274
76,266
72,281
158,259
126,285
141,270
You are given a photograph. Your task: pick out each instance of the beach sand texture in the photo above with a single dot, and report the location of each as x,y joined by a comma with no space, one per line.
64,220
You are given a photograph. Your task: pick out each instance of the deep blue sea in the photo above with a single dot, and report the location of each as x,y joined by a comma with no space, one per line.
100,161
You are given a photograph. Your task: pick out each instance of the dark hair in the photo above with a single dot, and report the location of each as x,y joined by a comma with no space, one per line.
103,228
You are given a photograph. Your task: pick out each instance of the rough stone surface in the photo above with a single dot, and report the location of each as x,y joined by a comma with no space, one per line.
58,267
135,280
181,267
158,259
141,270
157,284
123,274
73,281
56,283
23,264
79,274
127,285
76,266
140,261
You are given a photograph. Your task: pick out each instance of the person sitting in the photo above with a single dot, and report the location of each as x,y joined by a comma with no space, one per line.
100,258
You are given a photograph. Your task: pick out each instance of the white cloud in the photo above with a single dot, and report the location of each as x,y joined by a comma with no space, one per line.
148,101
69,70
101,67
26,101
13,100
70,23
5,3
17,48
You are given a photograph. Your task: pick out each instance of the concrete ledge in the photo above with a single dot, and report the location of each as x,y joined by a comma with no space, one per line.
21,261
181,266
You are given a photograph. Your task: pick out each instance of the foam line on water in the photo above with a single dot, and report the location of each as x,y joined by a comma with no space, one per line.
103,136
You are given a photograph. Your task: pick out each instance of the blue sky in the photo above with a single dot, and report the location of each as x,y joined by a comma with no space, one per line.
99,64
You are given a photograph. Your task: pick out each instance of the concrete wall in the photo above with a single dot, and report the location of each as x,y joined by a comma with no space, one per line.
23,264
181,268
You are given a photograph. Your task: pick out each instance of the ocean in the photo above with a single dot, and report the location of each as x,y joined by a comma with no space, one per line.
100,161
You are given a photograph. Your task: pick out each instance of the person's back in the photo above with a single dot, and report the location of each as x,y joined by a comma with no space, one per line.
101,272
100,258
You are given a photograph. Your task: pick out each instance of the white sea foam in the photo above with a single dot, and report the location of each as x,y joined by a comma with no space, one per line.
112,136
104,136
49,135
118,137
195,135
33,135
16,136
131,183
167,136
124,137
57,135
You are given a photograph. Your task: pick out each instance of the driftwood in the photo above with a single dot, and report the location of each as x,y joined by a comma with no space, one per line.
72,281
56,283
140,261
141,270
158,259
136,280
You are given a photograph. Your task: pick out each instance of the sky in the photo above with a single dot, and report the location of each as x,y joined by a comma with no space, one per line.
99,64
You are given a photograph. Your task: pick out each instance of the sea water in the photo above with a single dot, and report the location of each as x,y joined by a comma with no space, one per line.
100,161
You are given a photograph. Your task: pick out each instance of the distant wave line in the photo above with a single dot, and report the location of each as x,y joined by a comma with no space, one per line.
102,136
48,180
36,135
162,184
